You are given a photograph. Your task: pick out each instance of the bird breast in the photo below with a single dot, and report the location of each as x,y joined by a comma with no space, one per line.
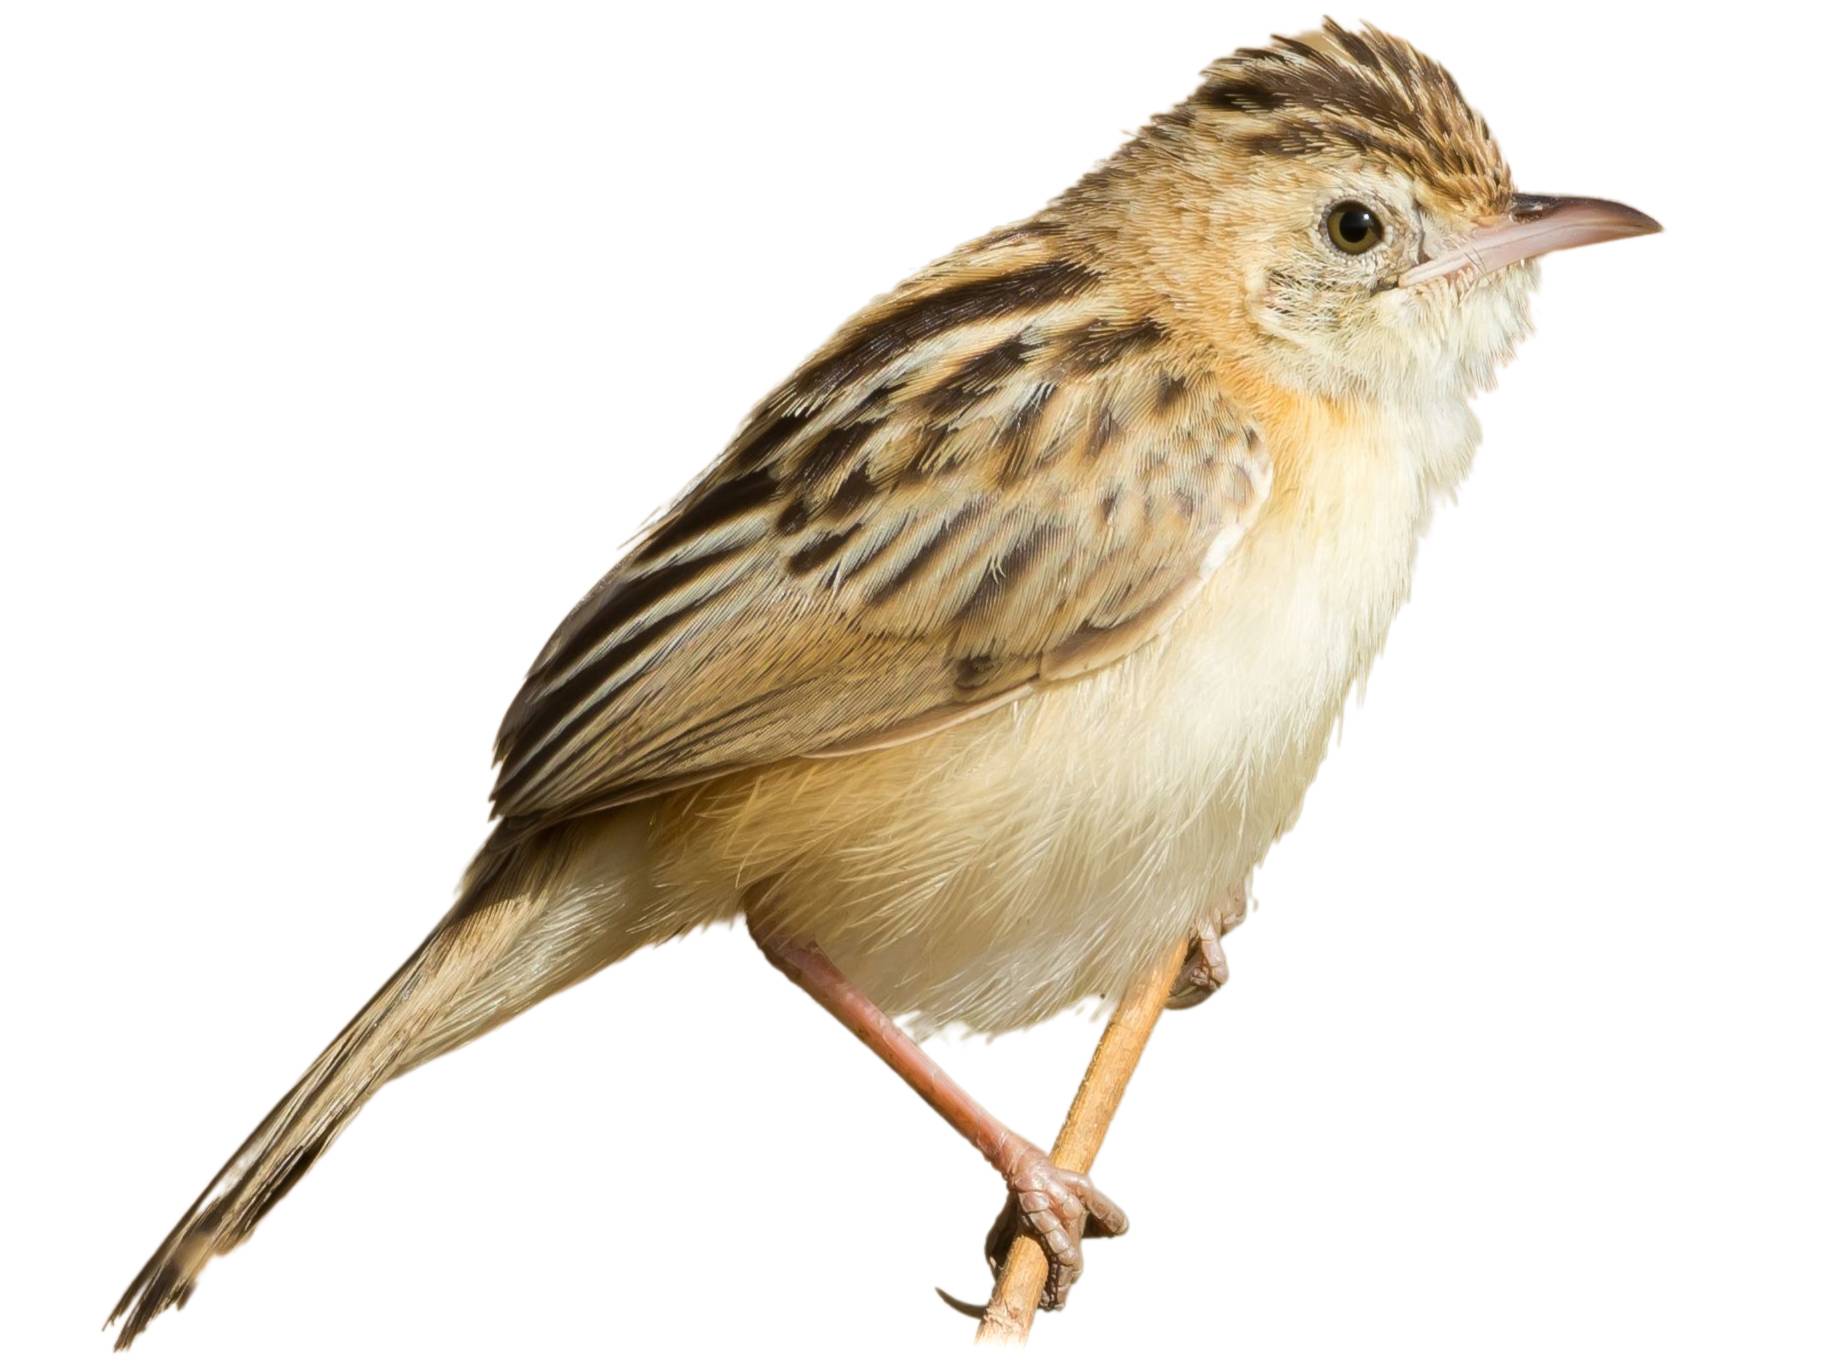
997,872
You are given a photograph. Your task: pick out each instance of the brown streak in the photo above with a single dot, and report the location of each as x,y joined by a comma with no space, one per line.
1101,344
1020,436
724,501
1101,434
832,450
820,550
764,436
1004,572
552,723
977,377
917,320
624,600
906,574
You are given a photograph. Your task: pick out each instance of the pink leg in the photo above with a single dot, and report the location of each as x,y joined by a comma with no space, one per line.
1056,1207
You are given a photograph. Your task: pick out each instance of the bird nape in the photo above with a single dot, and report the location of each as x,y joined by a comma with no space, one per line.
1006,635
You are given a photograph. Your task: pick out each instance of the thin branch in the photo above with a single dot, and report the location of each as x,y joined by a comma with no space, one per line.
1015,1298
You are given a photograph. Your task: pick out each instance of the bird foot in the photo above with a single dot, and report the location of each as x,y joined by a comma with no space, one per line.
1204,970
1058,1208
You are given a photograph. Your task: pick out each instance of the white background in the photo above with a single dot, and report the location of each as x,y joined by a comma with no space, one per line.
343,346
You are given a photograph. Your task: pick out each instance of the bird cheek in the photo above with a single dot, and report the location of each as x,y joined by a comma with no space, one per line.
1277,301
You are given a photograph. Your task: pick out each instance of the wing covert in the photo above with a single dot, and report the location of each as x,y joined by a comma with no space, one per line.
989,482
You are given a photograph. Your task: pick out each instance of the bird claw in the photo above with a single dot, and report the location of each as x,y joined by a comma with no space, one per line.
962,1307
1203,973
1204,970
1058,1208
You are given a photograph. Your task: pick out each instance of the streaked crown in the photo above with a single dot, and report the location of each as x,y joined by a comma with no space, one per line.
1342,93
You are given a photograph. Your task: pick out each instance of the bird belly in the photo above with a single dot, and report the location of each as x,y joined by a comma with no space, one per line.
995,873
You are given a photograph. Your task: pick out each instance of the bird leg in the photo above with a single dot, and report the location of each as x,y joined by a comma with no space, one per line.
1204,971
1056,1207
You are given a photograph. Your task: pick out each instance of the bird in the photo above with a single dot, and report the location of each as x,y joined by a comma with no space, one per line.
987,660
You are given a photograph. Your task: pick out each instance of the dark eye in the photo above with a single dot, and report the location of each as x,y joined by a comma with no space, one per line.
1354,228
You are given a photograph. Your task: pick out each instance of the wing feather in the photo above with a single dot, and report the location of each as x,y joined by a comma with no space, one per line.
992,481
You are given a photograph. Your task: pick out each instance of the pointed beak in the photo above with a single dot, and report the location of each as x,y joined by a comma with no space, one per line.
1537,223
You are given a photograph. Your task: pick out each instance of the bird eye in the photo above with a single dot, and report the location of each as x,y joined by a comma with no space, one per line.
1354,228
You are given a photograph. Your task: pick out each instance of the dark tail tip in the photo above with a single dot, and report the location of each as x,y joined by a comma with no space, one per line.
163,1283
169,1278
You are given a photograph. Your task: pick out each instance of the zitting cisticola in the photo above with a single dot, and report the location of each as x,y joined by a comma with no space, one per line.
1006,635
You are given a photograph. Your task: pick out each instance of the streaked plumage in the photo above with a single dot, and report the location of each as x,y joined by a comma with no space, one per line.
994,481
1007,634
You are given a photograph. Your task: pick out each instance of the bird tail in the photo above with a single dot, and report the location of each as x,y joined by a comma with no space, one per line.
528,924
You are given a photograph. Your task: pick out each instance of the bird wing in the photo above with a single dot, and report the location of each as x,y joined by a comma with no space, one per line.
989,482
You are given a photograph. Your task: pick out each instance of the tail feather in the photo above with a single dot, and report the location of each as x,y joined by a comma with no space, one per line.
366,1054
535,916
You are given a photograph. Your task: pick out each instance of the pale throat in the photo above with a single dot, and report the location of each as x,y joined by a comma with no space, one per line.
1355,486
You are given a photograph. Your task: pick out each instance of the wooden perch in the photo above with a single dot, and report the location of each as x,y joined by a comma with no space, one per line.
1015,1298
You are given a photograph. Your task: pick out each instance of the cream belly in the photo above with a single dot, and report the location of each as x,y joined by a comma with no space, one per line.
997,872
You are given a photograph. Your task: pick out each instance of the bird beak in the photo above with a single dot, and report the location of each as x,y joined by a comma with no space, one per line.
1536,223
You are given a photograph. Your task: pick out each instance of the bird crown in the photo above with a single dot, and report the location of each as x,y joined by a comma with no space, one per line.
1337,92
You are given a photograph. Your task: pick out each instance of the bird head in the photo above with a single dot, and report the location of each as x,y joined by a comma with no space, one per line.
1355,227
